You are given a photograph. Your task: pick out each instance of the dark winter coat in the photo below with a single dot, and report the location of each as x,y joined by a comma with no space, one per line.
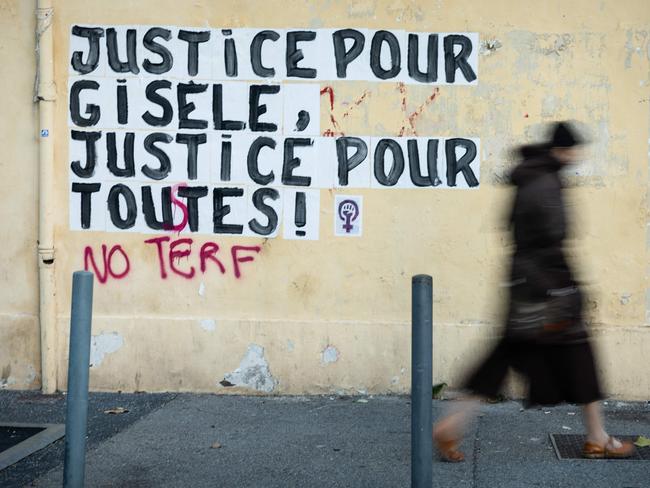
558,362
539,226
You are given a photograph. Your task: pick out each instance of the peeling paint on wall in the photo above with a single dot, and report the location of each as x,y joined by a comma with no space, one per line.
524,44
330,355
637,43
32,375
396,379
554,43
407,10
208,324
490,46
22,378
103,344
253,372
5,377
362,9
551,104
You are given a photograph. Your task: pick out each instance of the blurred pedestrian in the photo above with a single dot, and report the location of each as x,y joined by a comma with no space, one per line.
545,337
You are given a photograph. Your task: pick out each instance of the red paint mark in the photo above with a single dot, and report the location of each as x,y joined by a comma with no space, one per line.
357,102
169,255
402,91
335,123
236,259
412,117
158,241
174,254
330,91
183,208
364,95
335,130
107,258
332,132
90,256
127,264
208,251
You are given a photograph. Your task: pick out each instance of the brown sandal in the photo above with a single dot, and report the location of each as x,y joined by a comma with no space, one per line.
448,449
608,451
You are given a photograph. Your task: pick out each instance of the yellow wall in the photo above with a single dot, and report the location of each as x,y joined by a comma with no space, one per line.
19,332
333,314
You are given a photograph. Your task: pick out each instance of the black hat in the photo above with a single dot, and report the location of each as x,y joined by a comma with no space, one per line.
564,134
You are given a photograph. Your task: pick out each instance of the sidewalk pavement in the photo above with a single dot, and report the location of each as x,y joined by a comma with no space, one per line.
189,440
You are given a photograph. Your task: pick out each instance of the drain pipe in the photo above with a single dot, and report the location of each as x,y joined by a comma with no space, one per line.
46,97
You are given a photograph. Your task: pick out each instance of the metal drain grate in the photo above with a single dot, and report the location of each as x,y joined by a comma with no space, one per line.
569,446
18,441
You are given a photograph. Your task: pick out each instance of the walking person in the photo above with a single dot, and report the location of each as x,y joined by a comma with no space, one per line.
545,337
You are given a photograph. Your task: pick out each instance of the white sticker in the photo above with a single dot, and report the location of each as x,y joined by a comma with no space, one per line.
265,211
87,205
301,214
87,51
301,109
348,216
355,165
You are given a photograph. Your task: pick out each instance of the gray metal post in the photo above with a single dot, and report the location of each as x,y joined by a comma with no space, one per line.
421,360
78,369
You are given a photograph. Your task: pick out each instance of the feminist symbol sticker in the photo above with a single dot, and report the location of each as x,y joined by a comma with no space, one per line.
348,211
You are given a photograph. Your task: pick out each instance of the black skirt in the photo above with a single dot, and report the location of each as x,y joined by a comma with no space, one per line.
556,373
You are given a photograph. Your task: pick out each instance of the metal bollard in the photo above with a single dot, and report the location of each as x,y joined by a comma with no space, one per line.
78,370
421,379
